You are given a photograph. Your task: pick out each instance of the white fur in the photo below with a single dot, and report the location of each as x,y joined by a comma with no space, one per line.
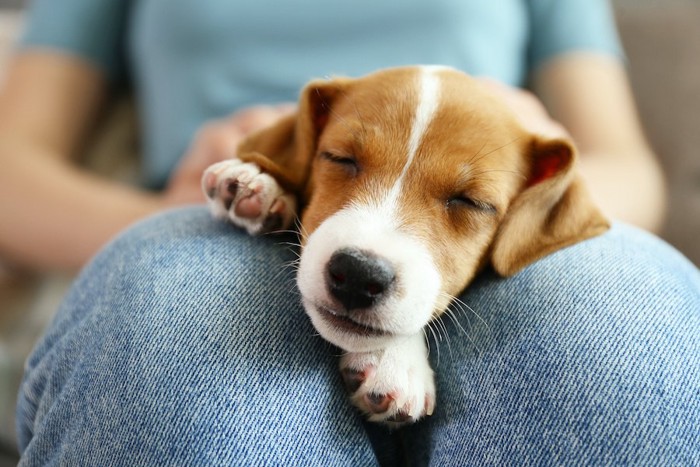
369,228
250,179
394,364
428,100
401,371
376,227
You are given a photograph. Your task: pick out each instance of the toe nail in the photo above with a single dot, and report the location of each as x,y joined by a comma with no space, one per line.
400,417
231,186
353,379
273,222
428,406
378,403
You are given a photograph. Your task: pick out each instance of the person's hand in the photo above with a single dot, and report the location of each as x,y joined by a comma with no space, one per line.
216,141
527,108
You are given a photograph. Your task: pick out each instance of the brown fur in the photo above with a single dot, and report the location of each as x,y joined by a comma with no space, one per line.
473,147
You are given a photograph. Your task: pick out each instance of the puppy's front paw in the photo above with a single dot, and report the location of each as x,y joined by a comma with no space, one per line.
251,199
394,386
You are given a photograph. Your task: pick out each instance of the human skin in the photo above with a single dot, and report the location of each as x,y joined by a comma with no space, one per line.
49,101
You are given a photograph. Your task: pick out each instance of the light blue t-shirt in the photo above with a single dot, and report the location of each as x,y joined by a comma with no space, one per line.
191,61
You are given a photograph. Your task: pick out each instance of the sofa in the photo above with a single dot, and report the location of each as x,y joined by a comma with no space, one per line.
662,42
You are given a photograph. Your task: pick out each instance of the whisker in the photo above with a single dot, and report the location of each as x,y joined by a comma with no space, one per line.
438,322
479,151
437,329
476,158
451,314
458,306
292,281
427,340
296,262
335,114
437,344
301,230
294,249
471,338
463,305
293,268
281,231
475,175
293,244
363,130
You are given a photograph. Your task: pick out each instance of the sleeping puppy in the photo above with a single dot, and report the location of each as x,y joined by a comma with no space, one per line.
408,182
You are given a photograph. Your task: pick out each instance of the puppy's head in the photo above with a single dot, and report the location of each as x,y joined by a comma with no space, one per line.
413,179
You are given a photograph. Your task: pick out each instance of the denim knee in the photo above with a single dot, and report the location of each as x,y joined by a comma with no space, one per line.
184,341
590,354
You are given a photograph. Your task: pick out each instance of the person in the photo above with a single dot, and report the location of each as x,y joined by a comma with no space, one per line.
183,342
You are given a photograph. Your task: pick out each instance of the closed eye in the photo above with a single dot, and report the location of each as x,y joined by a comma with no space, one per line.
462,201
347,162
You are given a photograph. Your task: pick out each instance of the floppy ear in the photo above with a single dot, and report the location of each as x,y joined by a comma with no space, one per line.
286,149
553,211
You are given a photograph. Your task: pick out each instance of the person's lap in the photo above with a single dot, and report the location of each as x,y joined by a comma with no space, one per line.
185,341
592,354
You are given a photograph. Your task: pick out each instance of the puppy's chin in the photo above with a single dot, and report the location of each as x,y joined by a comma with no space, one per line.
345,333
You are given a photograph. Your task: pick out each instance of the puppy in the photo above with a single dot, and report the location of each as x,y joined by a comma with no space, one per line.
408,181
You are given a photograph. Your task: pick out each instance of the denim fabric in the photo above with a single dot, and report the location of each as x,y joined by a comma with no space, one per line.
183,343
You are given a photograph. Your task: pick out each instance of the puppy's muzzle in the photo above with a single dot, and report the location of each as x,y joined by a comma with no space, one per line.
359,279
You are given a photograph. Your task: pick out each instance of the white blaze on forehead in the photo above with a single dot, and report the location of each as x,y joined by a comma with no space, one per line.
429,96
428,100
374,226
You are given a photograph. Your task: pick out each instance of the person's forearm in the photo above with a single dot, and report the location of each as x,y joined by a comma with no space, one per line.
56,217
631,189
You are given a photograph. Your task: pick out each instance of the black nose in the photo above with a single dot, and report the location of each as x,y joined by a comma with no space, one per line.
358,279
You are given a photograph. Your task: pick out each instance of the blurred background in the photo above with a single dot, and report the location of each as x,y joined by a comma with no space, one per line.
662,42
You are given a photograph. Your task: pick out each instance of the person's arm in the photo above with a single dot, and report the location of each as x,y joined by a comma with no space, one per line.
590,95
54,215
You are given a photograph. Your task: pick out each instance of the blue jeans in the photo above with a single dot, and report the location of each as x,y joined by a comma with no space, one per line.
184,343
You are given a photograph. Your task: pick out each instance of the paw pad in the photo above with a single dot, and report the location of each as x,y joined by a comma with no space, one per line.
248,197
378,403
394,385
